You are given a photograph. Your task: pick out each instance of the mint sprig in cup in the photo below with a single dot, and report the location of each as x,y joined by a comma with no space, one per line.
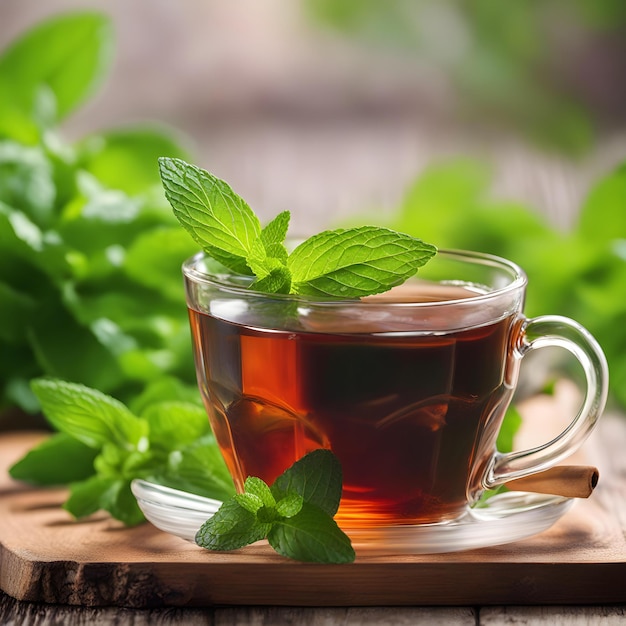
343,263
338,345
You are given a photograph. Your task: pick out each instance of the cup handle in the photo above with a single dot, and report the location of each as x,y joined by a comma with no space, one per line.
562,332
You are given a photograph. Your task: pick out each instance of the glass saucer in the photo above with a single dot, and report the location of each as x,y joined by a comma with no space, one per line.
504,518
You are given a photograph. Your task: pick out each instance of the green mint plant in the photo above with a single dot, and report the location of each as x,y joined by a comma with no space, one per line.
343,263
90,287
295,514
102,445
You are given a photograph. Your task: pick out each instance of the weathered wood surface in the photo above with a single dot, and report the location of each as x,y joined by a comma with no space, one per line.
15,613
552,616
46,557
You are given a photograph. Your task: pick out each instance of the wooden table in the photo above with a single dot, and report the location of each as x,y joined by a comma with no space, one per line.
13,613
587,540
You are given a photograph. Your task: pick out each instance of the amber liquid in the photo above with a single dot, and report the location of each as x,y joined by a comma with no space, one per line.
412,418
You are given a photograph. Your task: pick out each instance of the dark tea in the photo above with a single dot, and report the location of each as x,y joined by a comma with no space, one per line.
412,416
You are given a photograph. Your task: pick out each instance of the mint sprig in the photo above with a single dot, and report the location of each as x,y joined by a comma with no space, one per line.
102,445
343,263
295,515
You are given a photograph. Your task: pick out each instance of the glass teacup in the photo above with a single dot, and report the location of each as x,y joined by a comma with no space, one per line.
408,388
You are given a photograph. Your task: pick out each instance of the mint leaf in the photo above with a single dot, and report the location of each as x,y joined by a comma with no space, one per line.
86,496
259,489
268,257
258,499
277,280
64,57
118,462
163,389
231,527
40,466
73,351
273,235
316,477
290,505
259,262
161,250
248,501
124,158
89,415
120,502
216,217
356,262
104,493
173,424
198,468
311,535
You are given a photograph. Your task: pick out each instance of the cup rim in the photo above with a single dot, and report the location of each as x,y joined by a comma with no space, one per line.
518,281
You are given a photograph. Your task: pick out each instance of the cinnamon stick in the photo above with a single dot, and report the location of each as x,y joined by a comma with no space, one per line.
572,481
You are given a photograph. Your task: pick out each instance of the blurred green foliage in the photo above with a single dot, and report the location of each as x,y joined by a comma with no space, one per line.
90,253
580,273
508,61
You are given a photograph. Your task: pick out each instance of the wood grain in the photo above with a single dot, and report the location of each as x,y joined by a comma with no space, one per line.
553,616
47,557
14,613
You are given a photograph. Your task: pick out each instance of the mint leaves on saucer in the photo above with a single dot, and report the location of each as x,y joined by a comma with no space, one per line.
295,514
342,263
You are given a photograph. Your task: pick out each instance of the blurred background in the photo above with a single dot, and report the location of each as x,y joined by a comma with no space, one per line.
496,126
328,107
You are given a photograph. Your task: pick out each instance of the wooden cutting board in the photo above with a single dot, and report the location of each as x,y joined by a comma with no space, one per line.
46,556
